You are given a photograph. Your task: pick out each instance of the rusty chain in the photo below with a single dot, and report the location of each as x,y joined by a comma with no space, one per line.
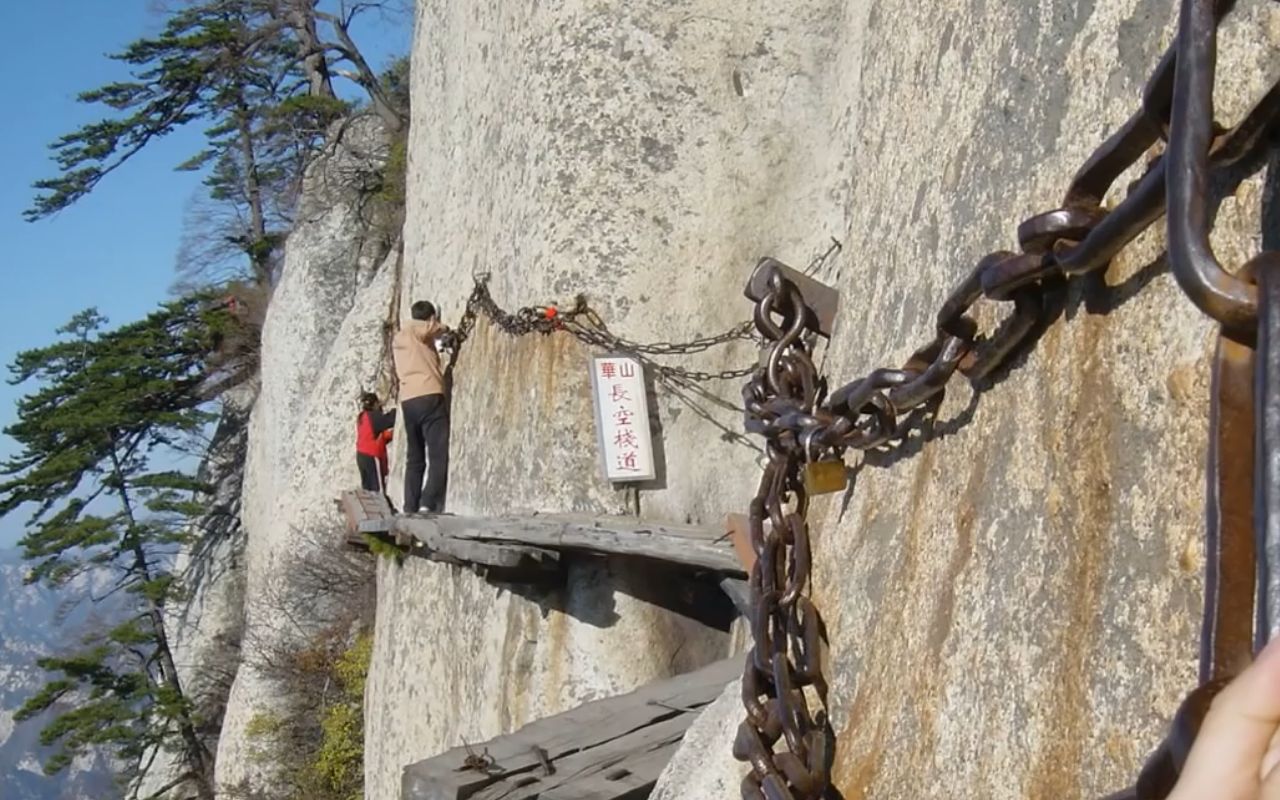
583,323
785,737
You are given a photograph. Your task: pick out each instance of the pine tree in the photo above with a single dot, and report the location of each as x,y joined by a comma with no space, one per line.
263,133
96,433
326,48
208,64
258,74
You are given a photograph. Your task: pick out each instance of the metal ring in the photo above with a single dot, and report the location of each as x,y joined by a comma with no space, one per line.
951,318
1224,297
1000,281
1038,234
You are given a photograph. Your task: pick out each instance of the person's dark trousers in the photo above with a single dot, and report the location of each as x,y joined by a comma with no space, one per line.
370,473
426,433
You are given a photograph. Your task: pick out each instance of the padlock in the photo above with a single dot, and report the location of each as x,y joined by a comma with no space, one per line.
825,477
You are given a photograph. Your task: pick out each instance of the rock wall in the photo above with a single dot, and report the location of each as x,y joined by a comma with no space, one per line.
556,148
1012,605
458,660
321,344
455,656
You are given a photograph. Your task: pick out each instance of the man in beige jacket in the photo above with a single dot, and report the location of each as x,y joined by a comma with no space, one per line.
424,408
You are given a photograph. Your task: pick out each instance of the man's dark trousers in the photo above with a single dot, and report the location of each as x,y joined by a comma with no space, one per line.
426,426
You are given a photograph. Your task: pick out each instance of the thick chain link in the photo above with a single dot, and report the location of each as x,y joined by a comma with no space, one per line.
784,662
786,402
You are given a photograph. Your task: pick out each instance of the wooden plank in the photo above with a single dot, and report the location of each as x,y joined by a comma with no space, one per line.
738,528
612,770
491,555
502,555
506,563
739,591
612,717
693,546
366,512
503,781
374,526
581,729
633,778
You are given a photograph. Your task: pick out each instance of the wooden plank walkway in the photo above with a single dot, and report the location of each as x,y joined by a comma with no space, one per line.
369,515
692,546
610,749
534,539
529,548
511,560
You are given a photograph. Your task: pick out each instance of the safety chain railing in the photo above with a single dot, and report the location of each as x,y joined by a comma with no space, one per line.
583,323
789,745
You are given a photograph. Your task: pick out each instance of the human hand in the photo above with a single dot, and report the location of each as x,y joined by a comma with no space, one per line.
1238,747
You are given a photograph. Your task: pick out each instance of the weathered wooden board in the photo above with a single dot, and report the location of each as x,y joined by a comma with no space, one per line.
369,513
693,546
610,749
504,561
738,528
738,591
486,553
615,769
628,777
366,512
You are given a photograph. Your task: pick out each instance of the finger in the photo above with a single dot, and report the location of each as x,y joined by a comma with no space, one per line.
1271,775
1226,759
1270,761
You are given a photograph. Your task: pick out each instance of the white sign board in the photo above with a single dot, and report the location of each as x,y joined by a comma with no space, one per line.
622,418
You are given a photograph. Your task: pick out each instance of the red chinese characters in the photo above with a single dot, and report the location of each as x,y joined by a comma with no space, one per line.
620,399
626,437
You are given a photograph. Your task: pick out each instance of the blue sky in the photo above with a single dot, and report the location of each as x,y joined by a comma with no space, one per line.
116,248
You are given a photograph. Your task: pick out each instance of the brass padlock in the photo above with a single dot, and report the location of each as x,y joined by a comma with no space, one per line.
825,477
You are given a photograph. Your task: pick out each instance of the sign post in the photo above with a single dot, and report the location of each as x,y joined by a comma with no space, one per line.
622,418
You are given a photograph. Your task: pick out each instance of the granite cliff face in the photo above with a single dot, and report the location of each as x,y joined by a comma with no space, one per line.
456,657
321,344
1012,605
207,629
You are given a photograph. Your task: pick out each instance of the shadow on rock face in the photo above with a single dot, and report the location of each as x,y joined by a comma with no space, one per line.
695,597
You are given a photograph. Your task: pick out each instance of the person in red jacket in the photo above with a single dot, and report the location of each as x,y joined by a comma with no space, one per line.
373,431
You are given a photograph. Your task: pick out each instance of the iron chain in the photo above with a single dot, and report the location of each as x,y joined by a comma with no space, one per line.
585,324
788,746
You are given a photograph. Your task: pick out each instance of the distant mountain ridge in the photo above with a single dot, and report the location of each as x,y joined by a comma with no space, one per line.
33,625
